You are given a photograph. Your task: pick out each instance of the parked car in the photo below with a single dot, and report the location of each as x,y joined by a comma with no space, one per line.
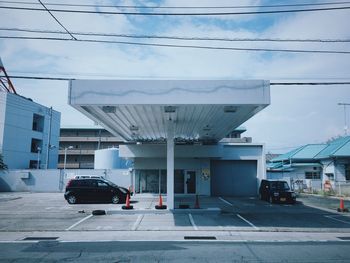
276,191
94,190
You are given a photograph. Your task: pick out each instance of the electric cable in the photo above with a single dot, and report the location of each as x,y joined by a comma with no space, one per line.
57,20
176,37
180,7
271,83
181,46
177,14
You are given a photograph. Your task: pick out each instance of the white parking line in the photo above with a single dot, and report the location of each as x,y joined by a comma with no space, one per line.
192,222
137,223
245,220
332,217
225,201
77,223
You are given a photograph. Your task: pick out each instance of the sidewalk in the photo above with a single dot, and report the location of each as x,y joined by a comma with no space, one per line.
327,196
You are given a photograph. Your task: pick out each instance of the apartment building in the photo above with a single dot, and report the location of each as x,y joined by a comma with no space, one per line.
28,133
78,145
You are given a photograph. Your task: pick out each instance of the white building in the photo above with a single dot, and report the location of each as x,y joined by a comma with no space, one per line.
29,132
173,129
315,166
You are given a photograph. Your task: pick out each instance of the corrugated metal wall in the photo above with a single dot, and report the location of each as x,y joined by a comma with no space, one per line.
233,178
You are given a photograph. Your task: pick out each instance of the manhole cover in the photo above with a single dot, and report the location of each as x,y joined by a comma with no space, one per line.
200,237
40,238
344,238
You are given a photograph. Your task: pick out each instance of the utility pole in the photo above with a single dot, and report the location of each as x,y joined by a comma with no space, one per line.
38,161
345,117
49,146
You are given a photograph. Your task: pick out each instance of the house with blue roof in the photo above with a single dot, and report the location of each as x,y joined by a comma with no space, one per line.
314,165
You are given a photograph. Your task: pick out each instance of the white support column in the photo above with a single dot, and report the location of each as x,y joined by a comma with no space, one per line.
170,165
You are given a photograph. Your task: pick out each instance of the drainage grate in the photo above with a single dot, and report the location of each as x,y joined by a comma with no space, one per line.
40,238
344,238
200,237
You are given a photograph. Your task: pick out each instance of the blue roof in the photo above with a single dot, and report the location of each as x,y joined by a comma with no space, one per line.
338,147
343,150
286,156
308,151
274,165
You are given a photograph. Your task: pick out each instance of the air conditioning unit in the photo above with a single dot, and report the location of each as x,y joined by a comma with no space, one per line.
24,175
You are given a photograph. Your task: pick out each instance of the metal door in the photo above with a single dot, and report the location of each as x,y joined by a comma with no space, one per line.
233,178
191,182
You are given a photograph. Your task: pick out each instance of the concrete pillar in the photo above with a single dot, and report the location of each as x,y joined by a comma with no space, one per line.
170,165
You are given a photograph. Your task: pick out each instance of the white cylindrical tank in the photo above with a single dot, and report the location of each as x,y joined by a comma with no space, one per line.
107,159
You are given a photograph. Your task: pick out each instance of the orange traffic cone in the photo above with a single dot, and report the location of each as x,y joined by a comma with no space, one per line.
196,205
160,205
127,205
342,207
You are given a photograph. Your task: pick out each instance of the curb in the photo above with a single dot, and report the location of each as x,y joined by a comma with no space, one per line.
326,197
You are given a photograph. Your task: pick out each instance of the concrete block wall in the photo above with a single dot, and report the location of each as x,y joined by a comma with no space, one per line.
55,180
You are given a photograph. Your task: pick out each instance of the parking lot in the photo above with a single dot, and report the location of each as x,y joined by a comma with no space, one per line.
50,212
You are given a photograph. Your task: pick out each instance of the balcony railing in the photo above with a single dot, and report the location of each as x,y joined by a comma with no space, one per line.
88,139
77,152
81,165
68,165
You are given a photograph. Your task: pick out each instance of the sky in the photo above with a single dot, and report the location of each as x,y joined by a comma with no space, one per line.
297,115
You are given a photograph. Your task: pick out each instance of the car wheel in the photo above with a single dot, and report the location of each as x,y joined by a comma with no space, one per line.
270,200
115,199
72,199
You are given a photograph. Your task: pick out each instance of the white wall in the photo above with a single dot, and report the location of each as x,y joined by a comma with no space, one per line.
169,92
16,130
194,157
109,159
297,177
54,180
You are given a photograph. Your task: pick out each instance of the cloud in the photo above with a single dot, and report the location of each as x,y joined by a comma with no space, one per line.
297,115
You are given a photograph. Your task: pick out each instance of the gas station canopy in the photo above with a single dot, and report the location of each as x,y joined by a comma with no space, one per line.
140,110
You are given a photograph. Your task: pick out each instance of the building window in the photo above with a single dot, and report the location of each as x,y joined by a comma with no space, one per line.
147,181
33,164
312,175
35,146
347,172
38,122
330,176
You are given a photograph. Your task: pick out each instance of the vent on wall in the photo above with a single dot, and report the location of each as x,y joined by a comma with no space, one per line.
230,109
169,109
109,109
24,175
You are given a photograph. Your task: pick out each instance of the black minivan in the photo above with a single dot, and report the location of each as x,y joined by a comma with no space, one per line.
94,190
276,191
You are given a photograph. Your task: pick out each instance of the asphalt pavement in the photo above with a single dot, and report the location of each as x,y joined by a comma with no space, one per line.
194,251
43,227
23,212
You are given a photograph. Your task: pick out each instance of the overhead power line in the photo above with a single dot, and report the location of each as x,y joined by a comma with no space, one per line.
178,13
308,83
176,37
39,78
180,46
180,7
271,83
57,20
